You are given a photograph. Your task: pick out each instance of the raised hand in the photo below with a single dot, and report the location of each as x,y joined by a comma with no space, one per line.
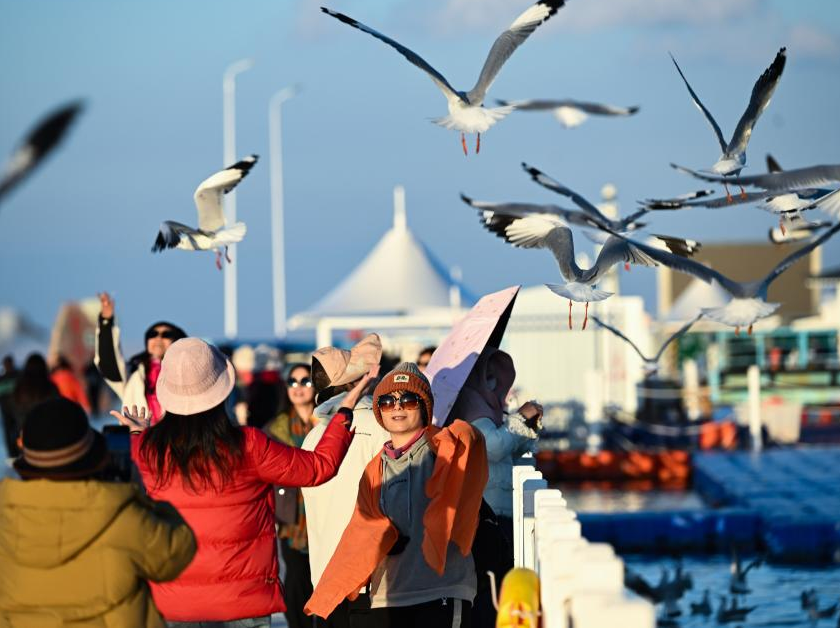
134,420
106,305
352,397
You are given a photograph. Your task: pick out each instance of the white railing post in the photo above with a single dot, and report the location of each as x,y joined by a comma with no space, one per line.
754,406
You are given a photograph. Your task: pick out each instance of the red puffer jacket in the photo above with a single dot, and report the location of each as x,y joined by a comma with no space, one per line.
234,574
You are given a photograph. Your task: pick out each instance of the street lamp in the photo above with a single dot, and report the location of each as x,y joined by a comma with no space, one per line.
229,141
278,261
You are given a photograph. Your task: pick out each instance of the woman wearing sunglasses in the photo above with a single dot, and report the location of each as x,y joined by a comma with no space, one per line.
408,544
291,427
133,382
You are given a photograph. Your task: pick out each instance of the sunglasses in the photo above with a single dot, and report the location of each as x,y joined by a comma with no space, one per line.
168,334
294,383
407,401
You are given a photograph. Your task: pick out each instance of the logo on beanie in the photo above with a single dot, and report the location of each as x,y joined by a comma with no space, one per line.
401,378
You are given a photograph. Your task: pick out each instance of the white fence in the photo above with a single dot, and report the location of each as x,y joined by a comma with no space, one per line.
581,583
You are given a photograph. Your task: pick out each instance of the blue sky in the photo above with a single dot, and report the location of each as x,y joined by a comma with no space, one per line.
151,74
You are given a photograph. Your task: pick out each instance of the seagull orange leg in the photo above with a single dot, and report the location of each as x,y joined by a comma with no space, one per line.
227,256
570,314
743,193
477,143
737,330
728,195
464,144
627,266
749,330
219,260
782,226
585,315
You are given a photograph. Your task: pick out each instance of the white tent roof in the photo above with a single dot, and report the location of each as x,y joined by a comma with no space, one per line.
415,280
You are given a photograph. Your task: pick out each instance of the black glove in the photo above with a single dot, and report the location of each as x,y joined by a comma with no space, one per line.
399,546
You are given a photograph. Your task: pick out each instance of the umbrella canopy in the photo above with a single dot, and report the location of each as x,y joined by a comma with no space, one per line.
453,360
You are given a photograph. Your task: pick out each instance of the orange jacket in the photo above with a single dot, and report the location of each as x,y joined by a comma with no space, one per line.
454,488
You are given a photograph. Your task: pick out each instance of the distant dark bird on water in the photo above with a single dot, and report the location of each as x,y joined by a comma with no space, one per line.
40,141
212,232
734,154
703,607
738,574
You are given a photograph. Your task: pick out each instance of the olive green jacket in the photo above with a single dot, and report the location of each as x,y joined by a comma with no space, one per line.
79,554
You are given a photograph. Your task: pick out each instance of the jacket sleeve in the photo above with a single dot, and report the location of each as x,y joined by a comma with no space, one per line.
165,544
107,355
277,463
508,440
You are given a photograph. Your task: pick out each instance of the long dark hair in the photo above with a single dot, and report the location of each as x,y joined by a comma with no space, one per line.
201,448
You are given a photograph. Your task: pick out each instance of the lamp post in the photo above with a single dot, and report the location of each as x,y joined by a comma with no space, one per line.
229,141
278,261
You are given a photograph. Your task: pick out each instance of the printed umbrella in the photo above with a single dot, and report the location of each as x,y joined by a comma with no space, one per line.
453,360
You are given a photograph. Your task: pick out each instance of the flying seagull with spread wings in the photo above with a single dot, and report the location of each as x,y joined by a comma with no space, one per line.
467,113
734,154
550,231
569,113
628,224
787,205
212,231
40,141
749,298
650,363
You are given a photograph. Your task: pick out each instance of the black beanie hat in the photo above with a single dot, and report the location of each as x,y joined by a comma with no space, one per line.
179,333
58,443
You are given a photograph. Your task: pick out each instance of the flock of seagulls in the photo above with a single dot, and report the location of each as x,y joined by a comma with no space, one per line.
671,588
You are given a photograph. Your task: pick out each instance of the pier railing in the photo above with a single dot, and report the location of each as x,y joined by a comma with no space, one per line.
581,583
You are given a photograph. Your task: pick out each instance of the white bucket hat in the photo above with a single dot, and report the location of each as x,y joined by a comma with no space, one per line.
194,377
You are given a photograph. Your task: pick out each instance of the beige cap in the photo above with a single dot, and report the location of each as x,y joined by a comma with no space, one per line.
342,366
194,377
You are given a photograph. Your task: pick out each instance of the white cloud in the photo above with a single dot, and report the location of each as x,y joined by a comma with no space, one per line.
809,41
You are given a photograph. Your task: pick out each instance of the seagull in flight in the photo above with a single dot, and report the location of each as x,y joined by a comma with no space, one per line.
678,246
467,113
650,363
749,299
734,154
787,203
212,232
569,113
550,231
628,224
40,141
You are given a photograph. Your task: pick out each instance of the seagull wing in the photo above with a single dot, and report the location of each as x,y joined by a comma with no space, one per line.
208,195
702,108
538,231
680,332
760,98
829,203
409,54
509,41
39,142
588,107
170,234
791,259
675,202
687,266
521,210
547,182
617,250
679,246
772,164
623,337
709,203
787,180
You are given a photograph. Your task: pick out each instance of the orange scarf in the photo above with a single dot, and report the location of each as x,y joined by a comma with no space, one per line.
454,488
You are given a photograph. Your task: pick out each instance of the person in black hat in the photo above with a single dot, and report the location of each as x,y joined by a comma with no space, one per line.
73,547
134,382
